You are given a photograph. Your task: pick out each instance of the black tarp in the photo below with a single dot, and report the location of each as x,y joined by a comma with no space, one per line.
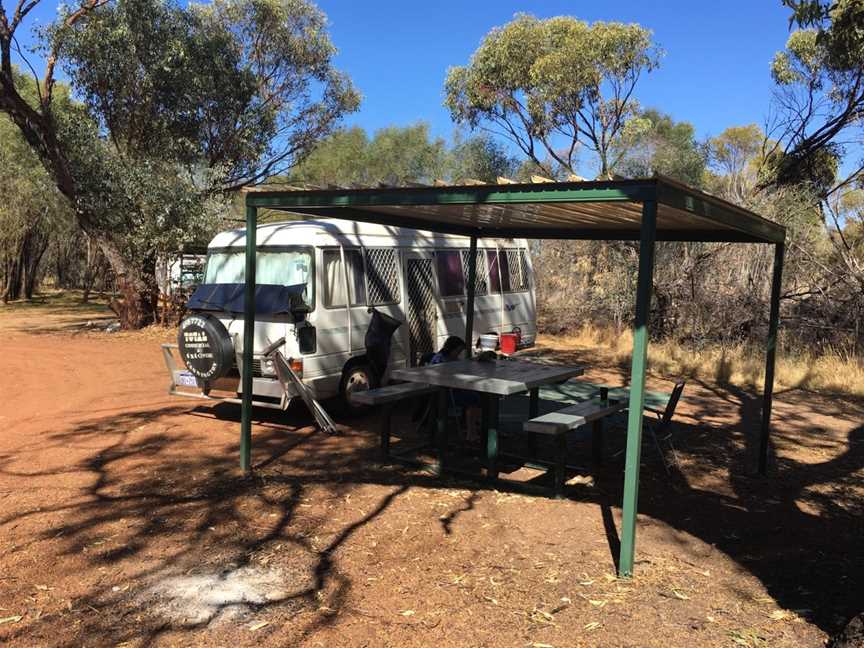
378,338
269,299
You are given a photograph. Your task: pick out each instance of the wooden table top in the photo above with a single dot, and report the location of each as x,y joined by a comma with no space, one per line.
500,377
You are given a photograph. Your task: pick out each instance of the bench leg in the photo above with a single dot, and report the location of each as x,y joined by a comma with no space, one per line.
386,421
597,441
441,429
559,472
492,412
534,402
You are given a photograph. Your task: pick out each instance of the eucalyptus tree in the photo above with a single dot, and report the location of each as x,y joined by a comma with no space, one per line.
179,105
480,157
30,211
552,86
819,100
661,145
395,155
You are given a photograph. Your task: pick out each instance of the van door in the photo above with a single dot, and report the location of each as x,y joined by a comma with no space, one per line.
422,312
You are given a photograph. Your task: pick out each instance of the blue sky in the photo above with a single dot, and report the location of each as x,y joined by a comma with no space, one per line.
714,74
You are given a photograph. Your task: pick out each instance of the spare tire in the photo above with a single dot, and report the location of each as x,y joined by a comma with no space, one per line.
205,346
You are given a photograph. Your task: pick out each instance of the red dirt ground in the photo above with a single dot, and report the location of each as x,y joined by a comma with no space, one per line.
123,521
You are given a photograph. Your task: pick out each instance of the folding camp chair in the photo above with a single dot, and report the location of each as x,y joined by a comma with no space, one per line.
659,428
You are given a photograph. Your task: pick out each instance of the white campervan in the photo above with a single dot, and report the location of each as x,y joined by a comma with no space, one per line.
342,270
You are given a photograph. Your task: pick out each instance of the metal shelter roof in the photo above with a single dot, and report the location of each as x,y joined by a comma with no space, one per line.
599,210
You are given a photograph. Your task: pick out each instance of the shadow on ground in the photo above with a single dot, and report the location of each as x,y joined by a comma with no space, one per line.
170,512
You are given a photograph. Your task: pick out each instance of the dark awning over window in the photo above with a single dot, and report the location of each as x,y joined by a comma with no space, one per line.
228,298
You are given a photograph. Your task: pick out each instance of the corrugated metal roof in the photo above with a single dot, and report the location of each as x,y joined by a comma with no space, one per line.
603,210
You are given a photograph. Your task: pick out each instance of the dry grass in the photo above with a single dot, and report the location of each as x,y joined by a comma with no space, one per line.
832,372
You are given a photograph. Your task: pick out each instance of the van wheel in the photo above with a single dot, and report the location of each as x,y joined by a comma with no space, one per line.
357,377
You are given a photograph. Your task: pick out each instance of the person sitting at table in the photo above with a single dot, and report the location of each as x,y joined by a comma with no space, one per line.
469,401
452,350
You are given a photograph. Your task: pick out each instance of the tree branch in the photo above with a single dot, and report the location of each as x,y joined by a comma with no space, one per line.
48,80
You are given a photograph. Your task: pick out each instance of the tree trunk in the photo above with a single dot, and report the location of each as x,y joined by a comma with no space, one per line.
14,274
138,295
89,271
37,247
136,307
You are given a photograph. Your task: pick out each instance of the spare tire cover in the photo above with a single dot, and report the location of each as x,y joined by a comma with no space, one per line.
205,346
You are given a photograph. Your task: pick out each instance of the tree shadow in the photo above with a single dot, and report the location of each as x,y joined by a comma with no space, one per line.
147,494
797,530
154,509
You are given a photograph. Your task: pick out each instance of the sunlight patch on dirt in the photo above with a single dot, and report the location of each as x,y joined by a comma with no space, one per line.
201,599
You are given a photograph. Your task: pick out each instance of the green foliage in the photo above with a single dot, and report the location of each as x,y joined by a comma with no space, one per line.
340,159
550,86
802,59
27,194
818,170
655,143
398,155
737,149
395,155
31,208
550,169
736,158
245,86
480,158
839,26
820,99
180,105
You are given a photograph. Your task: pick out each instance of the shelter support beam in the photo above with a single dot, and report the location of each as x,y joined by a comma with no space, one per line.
637,388
770,355
248,341
469,307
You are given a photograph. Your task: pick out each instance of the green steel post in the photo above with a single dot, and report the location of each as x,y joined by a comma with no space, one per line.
469,308
248,341
773,321
637,388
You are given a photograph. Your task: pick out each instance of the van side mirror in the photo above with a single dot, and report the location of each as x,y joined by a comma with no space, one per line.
299,308
307,339
299,312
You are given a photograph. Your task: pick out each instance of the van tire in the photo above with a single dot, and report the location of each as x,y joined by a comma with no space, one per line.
356,376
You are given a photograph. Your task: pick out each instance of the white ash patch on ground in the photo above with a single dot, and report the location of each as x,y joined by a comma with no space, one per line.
212,597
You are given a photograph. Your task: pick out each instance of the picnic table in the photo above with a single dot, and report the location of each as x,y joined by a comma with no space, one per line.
492,380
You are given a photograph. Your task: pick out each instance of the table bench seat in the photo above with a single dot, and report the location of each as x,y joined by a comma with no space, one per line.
386,397
573,416
557,424
391,393
576,391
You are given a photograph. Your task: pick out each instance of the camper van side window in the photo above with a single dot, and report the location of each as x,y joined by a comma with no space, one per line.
451,282
523,266
499,271
481,282
382,276
334,279
518,267
356,279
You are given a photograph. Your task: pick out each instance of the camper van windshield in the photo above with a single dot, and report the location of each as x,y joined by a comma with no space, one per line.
280,268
